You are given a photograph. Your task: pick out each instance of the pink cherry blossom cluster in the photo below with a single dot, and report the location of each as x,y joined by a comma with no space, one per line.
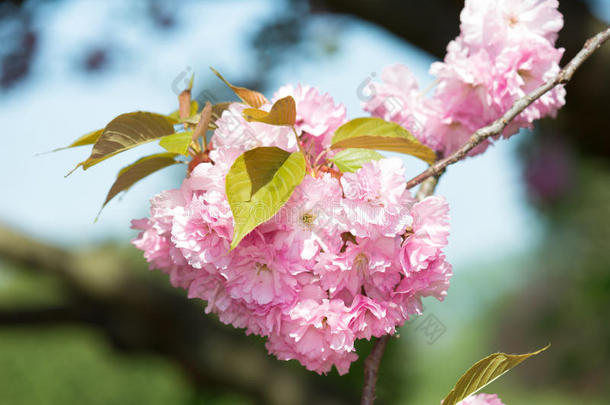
348,257
482,399
504,51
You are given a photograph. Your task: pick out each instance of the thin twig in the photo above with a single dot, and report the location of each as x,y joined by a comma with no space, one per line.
496,128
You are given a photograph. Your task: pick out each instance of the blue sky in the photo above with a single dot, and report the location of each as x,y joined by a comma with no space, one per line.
490,217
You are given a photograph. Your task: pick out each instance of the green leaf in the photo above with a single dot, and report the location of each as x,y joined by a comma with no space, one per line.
128,131
375,133
258,184
484,372
138,170
177,143
283,112
250,97
87,139
350,160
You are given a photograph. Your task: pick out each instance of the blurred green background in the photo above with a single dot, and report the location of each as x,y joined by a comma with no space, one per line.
82,320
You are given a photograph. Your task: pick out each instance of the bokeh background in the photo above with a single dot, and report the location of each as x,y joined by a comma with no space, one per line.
82,320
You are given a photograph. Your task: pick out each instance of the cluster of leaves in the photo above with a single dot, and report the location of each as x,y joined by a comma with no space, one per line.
263,177
182,134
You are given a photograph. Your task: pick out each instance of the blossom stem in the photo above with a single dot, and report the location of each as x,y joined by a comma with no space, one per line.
371,369
518,107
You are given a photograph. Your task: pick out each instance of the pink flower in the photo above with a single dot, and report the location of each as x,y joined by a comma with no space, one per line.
367,267
494,24
317,115
161,254
482,399
163,207
376,200
317,335
314,212
399,99
203,231
463,92
155,238
262,273
156,247
520,70
205,177
463,89
426,271
431,282
369,318
211,288
328,268
428,235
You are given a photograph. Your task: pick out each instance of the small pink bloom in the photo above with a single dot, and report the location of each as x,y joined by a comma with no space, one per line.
317,335
369,318
520,70
428,236
204,230
314,213
398,98
496,24
369,267
161,254
376,200
433,281
482,399
261,275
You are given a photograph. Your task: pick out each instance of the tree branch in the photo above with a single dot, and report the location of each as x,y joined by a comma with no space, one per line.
496,128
